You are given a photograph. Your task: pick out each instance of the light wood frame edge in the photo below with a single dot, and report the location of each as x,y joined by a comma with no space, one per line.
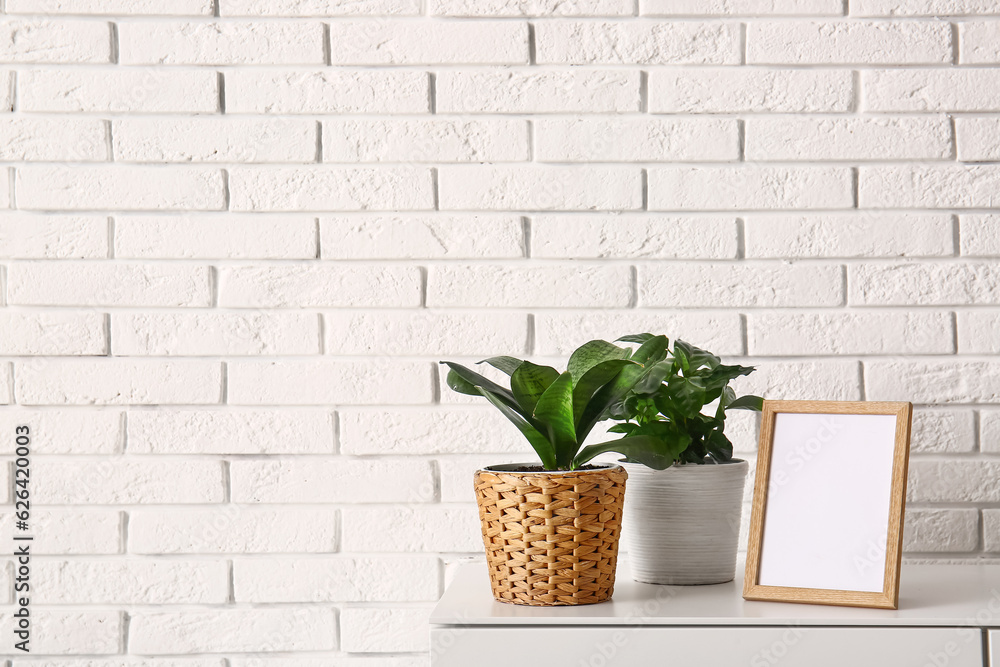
889,597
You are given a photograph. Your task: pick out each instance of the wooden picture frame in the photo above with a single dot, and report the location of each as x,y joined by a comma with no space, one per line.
830,539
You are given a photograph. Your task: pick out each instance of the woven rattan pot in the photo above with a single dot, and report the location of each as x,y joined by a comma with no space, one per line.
551,537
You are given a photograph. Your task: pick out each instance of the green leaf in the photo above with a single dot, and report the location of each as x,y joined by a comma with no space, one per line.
477,380
611,393
592,381
650,451
555,411
657,374
719,446
696,356
543,448
652,351
748,402
506,364
529,382
456,383
591,354
635,338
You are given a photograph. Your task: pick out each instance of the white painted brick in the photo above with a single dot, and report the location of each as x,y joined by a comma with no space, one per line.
457,472
111,7
980,235
369,660
425,140
73,632
821,139
850,235
929,186
740,7
979,332
991,530
134,90
305,286
627,237
749,188
118,382
355,579
238,630
232,529
737,90
924,284
208,334
48,139
427,431
537,91
28,236
560,334
326,91
740,285
119,188
941,530
62,531
942,431
6,384
323,382
56,333
990,431
381,42
850,333
933,381
849,42
922,7
116,582
122,481
226,236
384,630
979,42
465,236
220,43
954,480
540,286
331,189
214,140
539,8
230,432
332,481
412,529
802,380
637,43
6,90
54,41
90,431
947,89
978,139
318,8
108,284
636,140
545,188
423,333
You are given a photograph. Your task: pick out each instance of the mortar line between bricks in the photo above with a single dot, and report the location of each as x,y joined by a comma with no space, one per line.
322,333
126,622
115,47
956,47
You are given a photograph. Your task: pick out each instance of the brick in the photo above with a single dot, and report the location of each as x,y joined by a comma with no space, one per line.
73,632
942,431
131,90
306,286
822,139
381,42
540,8
457,472
990,431
425,140
560,334
119,188
941,284
6,384
310,8
850,333
49,41
427,431
933,381
979,332
66,531
576,188
738,90
206,139
851,235
991,530
978,139
954,480
749,188
422,333
322,382
326,91
384,630
534,91
929,186
122,481
636,140
933,8
220,43
30,236
46,139
224,236
118,382
740,7
740,285
628,237
980,235
947,89
208,334
941,530
238,630
230,432
464,236
90,431
802,380
849,42
637,43
412,529
108,284
96,582
350,661
332,481
541,286
978,42
111,7
52,334
331,189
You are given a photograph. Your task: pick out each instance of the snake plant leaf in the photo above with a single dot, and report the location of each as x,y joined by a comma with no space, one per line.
505,364
538,441
656,375
635,338
477,380
747,402
611,393
652,351
529,382
590,354
653,452
592,381
456,383
555,411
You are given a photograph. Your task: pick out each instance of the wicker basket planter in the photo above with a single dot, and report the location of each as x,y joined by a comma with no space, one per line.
551,537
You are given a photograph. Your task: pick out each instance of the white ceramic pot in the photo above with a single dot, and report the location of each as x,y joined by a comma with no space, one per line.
682,524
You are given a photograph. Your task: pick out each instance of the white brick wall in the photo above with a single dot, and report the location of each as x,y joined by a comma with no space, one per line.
237,235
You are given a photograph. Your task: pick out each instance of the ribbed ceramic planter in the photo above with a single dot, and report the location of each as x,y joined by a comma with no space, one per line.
551,538
682,524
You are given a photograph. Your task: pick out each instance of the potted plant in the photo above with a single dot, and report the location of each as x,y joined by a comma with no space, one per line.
682,521
551,530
